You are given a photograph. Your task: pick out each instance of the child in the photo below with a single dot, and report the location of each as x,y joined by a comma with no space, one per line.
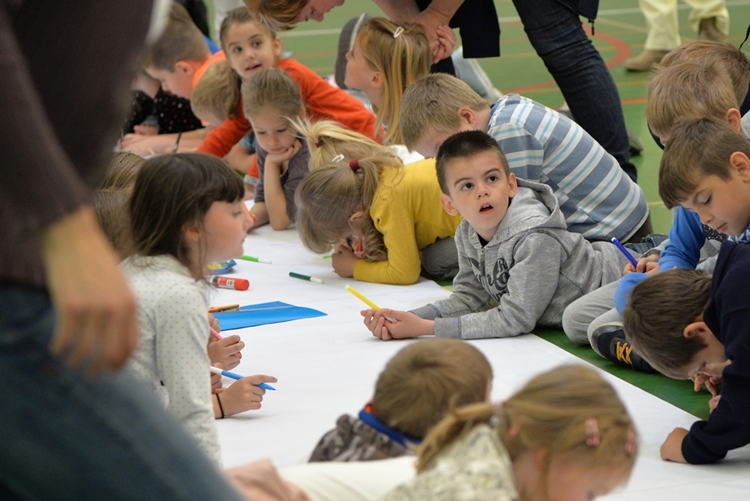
391,212
596,197
414,391
272,101
122,171
518,265
186,211
385,60
251,46
213,94
111,211
688,325
565,431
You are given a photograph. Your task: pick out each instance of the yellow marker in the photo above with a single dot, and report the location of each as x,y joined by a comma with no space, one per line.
362,298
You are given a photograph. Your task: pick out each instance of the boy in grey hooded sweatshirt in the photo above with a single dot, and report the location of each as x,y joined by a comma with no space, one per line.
518,264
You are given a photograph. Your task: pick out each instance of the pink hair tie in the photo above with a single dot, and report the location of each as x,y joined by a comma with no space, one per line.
319,144
354,164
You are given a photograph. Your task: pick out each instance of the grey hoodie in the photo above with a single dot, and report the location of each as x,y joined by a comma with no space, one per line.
530,271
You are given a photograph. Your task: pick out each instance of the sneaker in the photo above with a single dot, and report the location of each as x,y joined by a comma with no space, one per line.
609,341
707,30
645,61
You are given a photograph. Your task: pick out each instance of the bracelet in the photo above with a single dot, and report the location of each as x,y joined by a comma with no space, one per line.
220,406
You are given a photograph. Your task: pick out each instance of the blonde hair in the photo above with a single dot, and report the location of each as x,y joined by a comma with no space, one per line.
550,413
333,191
181,40
687,90
122,170
726,55
217,92
401,61
272,89
698,148
431,104
279,15
111,209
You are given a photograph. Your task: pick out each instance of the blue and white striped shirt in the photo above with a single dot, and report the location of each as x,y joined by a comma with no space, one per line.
596,197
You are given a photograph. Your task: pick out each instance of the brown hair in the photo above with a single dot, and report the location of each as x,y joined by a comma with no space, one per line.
279,15
401,61
422,381
272,89
687,90
464,145
181,40
431,105
700,147
111,209
657,312
172,191
549,413
216,93
122,170
726,55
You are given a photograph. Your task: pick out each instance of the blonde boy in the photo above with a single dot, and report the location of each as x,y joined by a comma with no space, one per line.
597,198
214,94
417,388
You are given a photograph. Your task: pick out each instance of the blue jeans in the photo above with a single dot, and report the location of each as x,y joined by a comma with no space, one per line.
67,435
557,35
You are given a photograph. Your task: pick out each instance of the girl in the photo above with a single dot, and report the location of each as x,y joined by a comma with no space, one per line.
391,213
271,100
185,211
384,61
564,436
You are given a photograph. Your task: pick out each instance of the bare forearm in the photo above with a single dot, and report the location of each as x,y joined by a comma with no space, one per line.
399,11
275,198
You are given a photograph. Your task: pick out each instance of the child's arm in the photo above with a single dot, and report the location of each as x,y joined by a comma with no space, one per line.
280,198
685,241
162,143
243,395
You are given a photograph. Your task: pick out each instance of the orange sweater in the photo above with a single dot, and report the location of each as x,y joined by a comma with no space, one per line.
322,101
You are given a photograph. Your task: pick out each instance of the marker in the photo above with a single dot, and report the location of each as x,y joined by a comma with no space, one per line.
256,259
305,277
224,308
369,303
628,255
218,337
233,375
238,284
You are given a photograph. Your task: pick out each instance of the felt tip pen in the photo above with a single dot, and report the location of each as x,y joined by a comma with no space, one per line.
234,375
369,303
305,277
224,308
256,259
218,337
238,284
628,255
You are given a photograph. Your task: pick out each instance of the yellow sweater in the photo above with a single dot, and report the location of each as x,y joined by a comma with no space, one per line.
410,217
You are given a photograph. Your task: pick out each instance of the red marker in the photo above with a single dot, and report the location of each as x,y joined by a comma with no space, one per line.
238,284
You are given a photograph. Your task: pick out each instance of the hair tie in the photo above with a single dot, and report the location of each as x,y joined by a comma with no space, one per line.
354,164
319,144
398,31
630,444
592,432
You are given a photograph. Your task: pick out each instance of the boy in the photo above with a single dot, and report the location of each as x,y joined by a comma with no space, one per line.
596,197
689,325
417,388
518,265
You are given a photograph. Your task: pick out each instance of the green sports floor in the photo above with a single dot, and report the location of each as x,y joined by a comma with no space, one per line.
620,31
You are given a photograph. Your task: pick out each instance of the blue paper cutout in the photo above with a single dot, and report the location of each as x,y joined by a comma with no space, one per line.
264,313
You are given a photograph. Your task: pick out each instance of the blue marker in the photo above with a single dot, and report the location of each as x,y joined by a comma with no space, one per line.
234,375
628,255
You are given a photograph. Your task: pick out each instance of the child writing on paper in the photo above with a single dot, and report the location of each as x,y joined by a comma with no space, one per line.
518,265
389,213
385,60
272,101
185,211
566,431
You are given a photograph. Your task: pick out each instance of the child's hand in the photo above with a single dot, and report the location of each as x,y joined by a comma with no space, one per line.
713,403
224,351
216,386
343,261
446,41
279,158
671,449
648,265
388,324
712,383
146,130
244,395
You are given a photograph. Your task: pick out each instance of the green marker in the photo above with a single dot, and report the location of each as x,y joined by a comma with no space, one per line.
256,259
305,277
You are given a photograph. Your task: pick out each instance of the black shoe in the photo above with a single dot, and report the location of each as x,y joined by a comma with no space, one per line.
609,342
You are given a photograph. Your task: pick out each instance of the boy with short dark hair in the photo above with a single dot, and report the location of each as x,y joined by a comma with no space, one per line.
518,264
689,325
417,388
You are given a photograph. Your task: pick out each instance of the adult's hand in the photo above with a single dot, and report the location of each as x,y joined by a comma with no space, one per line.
97,325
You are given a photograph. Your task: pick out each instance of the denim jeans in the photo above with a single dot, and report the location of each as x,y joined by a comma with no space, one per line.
67,435
557,35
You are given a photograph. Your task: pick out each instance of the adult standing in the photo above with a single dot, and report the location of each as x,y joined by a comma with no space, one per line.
71,426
